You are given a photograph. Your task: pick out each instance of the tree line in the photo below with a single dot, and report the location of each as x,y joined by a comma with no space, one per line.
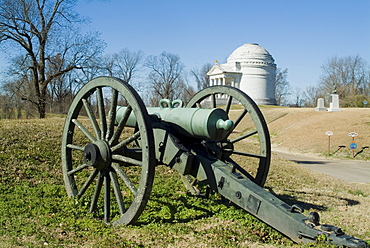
348,76
52,57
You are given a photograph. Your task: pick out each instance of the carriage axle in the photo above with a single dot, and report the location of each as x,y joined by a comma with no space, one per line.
117,148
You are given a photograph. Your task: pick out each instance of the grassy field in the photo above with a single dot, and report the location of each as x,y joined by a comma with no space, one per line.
35,211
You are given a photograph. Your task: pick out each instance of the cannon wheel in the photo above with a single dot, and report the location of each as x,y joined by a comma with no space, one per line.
97,154
248,142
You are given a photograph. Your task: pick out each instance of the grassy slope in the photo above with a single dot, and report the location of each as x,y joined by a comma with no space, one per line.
34,209
303,130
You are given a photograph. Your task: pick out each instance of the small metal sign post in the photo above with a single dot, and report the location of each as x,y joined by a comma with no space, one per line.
365,103
329,133
353,145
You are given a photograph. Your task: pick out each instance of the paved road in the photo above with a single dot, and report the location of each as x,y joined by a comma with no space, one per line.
347,170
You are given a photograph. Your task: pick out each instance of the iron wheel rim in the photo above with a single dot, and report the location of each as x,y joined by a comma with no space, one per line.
109,174
249,109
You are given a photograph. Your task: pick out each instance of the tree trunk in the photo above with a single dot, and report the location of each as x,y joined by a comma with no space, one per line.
41,108
41,102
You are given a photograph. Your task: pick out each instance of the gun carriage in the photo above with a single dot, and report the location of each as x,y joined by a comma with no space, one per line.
114,154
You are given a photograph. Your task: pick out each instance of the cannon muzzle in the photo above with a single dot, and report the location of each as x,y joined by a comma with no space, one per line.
192,122
236,167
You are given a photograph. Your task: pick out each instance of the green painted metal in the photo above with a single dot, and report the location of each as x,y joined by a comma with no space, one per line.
248,195
228,150
97,155
203,141
170,151
195,122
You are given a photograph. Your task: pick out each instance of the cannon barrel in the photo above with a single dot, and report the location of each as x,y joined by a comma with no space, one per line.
192,122
236,166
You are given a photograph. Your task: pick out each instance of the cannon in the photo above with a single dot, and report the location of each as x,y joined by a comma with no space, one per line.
112,143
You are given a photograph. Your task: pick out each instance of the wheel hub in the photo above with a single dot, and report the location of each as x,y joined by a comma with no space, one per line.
98,155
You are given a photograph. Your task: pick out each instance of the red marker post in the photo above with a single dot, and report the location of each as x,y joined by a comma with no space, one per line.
329,133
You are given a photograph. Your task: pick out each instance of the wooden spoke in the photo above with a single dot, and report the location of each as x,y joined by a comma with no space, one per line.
101,110
228,104
125,179
87,183
121,126
81,167
117,191
244,136
126,160
84,130
74,147
105,143
241,116
213,100
94,200
92,118
112,114
249,154
127,141
255,155
106,198
240,169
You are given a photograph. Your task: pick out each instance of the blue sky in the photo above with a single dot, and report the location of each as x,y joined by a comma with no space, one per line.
300,35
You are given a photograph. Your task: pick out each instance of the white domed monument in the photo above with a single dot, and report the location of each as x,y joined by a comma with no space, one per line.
252,69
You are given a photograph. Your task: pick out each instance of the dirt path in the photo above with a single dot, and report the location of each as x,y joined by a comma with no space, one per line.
347,170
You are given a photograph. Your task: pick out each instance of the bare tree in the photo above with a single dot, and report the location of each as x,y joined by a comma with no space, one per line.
187,91
123,65
165,76
42,29
282,87
201,76
15,91
59,89
349,75
5,106
310,96
126,63
17,84
297,98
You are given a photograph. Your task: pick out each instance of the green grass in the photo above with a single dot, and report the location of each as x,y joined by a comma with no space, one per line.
358,192
36,212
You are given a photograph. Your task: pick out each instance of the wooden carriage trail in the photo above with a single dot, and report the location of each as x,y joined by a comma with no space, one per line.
111,144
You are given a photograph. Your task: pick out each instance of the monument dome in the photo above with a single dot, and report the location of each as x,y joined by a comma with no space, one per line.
250,68
250,51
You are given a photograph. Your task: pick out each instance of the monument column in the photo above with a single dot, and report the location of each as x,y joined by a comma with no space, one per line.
334,101
320,105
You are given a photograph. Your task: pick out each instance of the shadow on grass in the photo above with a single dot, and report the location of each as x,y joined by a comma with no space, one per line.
178,210
292,200
186,208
